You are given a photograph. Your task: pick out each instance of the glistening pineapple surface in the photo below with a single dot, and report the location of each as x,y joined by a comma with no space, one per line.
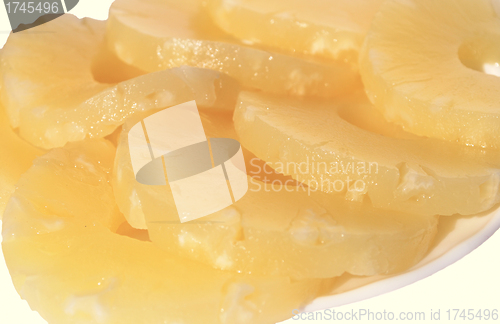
344,147
160,34
423,65
56,97
75,268
76,259
327,29
276,228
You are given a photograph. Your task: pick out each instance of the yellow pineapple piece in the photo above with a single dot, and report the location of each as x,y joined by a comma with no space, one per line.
160,34
345,147
434,66
68,262
275,229
16,156
330,29
66,93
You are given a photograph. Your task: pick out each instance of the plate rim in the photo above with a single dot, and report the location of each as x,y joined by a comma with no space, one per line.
396,282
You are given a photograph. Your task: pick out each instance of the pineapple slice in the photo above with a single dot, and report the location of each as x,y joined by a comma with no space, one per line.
65,258
325,28
434,66
345,147
16,156
63,94
274,229
160,34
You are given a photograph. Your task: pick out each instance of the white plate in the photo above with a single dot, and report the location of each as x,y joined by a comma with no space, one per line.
457,237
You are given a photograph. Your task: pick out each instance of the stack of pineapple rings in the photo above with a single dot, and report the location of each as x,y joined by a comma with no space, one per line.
373,159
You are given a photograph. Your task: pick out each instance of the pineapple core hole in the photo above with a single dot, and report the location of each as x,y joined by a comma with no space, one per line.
126,230
482,54
108,69
493,69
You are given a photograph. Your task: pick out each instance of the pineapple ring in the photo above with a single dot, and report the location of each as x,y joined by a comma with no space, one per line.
16,156
274,230
160,34
69,104
422,65
66,260
345,147
330,29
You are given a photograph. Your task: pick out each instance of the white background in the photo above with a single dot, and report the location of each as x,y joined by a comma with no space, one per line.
471,283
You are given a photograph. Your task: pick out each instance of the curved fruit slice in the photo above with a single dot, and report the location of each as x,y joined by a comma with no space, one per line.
422,65
161,34
344,147
67,262
275,229
331,29
54,97
16,156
